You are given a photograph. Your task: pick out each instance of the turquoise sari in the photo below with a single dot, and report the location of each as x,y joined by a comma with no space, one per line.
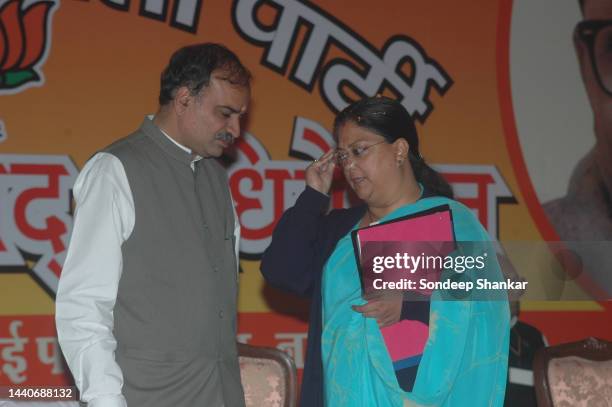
464,362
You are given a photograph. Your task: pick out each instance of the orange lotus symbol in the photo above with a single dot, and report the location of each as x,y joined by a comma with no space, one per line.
23,41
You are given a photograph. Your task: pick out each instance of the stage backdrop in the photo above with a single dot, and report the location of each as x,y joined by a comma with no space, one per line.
494,87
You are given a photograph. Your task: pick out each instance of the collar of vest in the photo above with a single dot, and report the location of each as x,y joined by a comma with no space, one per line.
174,151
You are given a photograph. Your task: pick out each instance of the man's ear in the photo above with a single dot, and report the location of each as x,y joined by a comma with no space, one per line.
182,100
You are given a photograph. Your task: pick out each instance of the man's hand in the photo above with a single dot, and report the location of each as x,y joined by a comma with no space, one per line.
384,306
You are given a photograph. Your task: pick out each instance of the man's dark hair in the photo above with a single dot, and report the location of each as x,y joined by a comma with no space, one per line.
192,66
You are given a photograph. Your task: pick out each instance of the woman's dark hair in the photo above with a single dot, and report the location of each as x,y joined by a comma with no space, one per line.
389,119
191,66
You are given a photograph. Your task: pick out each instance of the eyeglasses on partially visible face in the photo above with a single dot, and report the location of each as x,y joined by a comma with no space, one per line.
597,35
355,152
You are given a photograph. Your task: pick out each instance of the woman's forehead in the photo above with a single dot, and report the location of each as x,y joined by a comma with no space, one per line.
351,133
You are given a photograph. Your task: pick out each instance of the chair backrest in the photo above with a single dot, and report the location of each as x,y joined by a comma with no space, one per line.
575,374
268,375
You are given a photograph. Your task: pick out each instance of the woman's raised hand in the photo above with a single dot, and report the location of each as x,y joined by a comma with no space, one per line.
320,173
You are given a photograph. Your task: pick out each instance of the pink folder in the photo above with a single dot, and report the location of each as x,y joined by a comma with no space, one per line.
427,233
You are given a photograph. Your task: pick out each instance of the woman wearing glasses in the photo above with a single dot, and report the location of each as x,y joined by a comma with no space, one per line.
465,358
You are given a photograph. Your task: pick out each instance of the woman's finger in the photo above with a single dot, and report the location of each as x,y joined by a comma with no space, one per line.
369,308
321,164
384,323
325,158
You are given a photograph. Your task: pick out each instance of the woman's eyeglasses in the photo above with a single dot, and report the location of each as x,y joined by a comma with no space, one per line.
342,156
597,35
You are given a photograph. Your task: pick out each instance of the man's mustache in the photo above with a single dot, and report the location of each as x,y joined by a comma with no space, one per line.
225,136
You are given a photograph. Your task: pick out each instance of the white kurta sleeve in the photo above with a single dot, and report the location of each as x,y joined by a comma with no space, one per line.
236,234
87,291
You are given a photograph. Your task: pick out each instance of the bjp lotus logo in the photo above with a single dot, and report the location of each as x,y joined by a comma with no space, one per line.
24,38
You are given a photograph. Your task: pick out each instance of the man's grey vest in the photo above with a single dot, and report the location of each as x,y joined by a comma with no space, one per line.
175,316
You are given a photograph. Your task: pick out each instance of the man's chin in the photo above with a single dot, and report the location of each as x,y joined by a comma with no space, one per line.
218,147
215,151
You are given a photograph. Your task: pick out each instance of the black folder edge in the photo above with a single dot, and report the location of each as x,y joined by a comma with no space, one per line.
430,211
